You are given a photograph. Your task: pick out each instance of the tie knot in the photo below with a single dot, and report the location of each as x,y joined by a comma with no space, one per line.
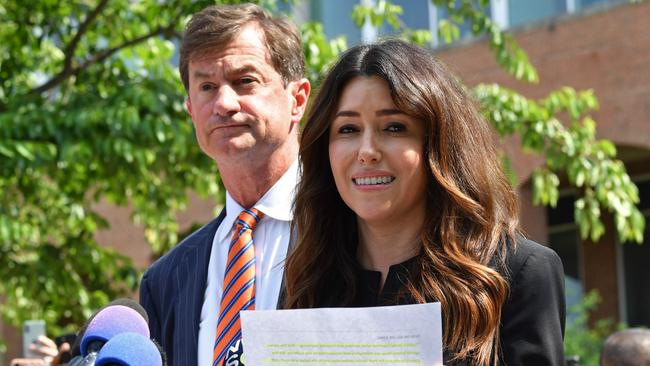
247,219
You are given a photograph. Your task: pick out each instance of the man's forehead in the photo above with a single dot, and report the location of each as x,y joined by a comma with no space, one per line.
228,62
231,59
249,42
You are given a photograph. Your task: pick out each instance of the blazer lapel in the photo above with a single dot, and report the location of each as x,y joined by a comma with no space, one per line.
191,279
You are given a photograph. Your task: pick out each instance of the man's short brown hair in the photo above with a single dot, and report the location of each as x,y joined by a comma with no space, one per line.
214,27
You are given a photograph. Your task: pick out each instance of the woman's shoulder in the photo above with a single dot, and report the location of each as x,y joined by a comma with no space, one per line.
529,256
532,321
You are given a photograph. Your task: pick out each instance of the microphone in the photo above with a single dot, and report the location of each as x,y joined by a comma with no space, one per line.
106,324
76,347
129,349
110,322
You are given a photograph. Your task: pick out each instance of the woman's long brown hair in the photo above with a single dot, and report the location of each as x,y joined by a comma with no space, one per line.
471,210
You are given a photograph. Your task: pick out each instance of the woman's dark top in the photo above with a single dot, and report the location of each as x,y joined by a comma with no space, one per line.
532,320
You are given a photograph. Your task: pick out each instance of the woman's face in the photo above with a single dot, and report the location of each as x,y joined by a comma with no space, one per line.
376,154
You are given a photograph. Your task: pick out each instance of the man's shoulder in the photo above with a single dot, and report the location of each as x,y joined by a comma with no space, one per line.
193,242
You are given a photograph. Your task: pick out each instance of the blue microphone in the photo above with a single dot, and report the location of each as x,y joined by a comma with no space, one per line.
129,349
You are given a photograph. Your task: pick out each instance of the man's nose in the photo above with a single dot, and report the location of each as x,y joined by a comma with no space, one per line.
226,102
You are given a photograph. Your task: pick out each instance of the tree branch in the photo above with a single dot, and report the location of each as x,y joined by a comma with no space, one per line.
69,51
83,28
101,56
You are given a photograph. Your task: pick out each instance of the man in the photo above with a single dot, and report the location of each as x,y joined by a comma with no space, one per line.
243,73
630,347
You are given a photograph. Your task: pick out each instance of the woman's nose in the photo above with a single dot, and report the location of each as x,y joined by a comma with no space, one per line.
369,150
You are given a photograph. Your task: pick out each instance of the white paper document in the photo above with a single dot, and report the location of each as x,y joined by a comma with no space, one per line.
388,335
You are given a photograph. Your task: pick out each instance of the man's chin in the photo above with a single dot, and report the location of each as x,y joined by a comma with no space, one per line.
235,147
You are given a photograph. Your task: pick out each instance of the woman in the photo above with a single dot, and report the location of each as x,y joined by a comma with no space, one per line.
403,200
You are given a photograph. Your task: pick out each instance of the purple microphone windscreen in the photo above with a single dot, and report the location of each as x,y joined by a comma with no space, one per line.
112,321
76,349
129,349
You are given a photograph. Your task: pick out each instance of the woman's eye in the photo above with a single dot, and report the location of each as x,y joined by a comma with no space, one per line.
396,127
347,129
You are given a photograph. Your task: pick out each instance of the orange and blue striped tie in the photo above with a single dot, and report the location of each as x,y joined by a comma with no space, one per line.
239,284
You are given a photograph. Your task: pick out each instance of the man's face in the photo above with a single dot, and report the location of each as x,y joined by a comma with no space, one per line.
239,104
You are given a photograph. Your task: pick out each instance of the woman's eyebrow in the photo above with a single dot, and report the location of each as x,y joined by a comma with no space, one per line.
379,113
346,114
388,112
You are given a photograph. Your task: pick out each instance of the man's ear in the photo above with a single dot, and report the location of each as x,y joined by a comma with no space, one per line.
188,105
300,94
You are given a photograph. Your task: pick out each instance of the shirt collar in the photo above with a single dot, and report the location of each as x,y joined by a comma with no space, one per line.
276,203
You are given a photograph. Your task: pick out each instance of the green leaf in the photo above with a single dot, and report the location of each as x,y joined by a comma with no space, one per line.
448,31
24,151
6,151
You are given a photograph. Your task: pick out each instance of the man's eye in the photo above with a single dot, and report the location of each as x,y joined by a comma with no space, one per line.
206,87
246,80
396,127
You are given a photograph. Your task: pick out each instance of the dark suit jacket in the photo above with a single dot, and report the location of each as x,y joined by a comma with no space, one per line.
172,293
532,319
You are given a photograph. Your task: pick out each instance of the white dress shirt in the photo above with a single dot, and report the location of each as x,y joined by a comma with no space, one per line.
271,239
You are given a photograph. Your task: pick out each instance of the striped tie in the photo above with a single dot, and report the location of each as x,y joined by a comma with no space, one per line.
239,284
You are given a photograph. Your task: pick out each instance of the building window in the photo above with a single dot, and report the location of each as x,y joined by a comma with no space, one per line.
515,13
335,15
522,12
415,16
584,4
636,261
564,239
423,14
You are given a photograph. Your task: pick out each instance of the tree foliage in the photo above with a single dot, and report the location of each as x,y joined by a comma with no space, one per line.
91,109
